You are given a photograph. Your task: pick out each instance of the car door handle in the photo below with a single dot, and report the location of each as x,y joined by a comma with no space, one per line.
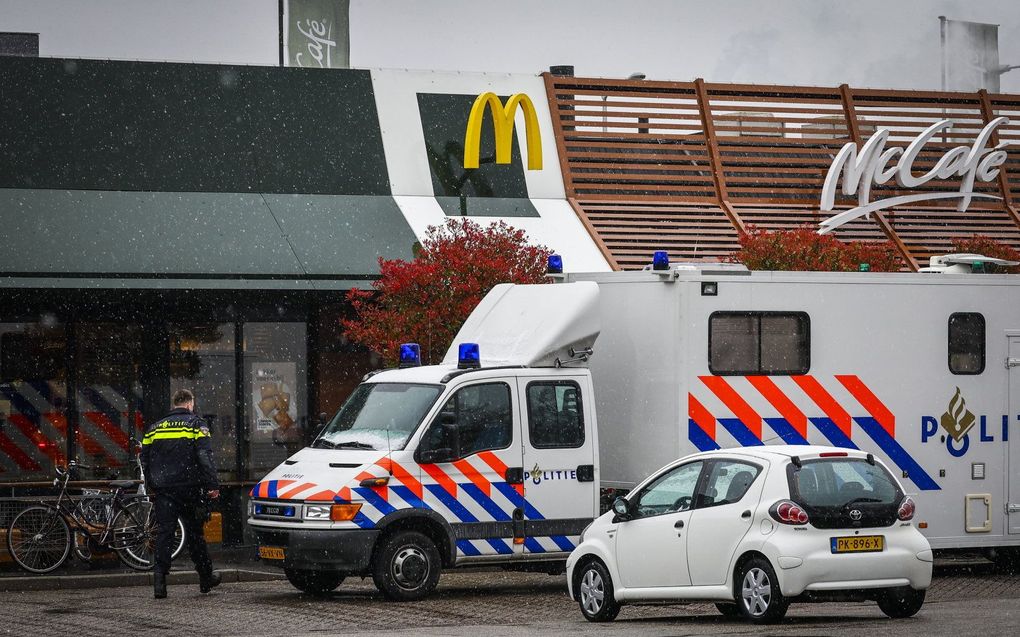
746,514
679,524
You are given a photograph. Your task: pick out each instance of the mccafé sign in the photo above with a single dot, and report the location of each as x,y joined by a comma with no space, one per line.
876,164
503,124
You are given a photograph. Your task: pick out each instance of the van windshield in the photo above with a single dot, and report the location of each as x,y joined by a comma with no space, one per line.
378,416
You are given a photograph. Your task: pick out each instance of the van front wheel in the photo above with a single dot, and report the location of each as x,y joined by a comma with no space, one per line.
406,566
313,582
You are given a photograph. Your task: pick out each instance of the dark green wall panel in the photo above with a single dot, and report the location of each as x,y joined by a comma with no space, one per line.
92,124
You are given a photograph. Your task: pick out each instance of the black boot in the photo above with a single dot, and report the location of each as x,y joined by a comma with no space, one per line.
159,585
208,582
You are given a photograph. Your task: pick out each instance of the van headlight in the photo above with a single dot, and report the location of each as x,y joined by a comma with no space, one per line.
317,511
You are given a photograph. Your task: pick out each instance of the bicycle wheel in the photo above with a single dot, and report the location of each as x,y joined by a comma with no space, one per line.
134,531
39,539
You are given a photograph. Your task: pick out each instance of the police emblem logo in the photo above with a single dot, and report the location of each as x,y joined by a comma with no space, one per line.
957,420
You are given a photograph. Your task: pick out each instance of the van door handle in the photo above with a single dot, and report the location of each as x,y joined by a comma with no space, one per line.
746,514
679,524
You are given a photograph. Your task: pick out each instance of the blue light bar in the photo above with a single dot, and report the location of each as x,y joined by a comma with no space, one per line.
410,355
660,260
555,264
468,356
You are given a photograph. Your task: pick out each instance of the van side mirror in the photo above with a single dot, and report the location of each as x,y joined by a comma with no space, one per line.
621,507
432,456
449,439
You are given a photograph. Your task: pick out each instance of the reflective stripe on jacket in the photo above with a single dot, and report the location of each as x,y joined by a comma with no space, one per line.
177,452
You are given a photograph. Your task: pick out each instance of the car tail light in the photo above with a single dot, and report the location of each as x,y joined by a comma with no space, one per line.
787,512
906,511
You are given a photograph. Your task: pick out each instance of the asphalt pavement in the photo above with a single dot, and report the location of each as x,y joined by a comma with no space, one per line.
962,601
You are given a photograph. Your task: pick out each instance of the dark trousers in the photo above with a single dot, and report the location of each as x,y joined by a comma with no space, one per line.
184,504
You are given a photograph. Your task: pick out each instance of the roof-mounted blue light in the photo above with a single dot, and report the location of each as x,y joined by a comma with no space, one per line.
555,265
660,260
468,356
410,355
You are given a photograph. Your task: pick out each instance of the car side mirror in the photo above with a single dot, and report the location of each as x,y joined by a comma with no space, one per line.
621,507
449,438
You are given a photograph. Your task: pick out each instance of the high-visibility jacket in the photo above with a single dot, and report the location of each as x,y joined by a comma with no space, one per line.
177,452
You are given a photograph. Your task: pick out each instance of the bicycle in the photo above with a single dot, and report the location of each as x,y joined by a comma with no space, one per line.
40,538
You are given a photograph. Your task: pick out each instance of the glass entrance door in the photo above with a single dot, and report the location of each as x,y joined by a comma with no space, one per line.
202,359
109,397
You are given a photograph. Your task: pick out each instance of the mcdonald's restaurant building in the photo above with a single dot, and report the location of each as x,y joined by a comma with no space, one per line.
179,225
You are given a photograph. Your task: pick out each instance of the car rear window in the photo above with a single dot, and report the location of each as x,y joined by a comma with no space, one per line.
837,482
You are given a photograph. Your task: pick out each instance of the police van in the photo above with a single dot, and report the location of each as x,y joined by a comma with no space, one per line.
496,456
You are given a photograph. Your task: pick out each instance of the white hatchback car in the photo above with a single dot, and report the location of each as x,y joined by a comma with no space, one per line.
754,529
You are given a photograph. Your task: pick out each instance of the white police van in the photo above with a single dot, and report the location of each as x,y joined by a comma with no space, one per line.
495,457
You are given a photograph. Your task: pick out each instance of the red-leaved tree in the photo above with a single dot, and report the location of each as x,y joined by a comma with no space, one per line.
804,249
427,299
989,247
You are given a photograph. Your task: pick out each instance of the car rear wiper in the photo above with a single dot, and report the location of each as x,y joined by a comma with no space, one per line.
352,444
861,501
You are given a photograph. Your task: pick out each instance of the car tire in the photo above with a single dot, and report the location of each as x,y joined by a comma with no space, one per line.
594,588
758,596
406,566
313,582
729,610
901,603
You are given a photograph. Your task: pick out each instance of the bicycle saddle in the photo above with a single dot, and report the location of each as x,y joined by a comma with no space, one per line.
122,484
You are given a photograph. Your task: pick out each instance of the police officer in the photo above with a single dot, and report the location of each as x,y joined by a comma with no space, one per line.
179,471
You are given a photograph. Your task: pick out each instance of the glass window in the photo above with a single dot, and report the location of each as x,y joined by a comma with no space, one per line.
483,417
966,343
555,420
836,483
275,408
727,482
33,399
759,343
669,493
202,359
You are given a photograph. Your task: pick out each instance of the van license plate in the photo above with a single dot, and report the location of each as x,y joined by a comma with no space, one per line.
271,552
858,544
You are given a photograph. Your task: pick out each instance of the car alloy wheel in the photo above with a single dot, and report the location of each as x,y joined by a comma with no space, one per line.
758,596
593,592
756,592
594,588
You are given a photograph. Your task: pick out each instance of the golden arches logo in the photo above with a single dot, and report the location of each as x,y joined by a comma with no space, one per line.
503,123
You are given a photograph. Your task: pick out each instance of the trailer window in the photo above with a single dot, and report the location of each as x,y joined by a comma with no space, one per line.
555,420
966,343
759,343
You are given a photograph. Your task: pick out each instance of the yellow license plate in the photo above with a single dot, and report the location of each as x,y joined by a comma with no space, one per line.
271,552
858,544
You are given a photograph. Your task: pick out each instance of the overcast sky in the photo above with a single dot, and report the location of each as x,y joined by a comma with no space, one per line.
864,43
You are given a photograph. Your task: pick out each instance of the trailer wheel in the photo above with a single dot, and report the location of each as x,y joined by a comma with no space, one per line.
406,566
313,582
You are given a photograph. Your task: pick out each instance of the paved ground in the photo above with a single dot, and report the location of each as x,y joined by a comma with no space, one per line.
470,604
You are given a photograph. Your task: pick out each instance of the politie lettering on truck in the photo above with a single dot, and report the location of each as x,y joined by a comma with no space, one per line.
497,457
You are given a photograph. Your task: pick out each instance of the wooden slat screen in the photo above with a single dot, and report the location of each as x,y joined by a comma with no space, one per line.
687,166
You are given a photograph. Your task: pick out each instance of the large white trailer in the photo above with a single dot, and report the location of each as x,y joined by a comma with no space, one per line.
922,370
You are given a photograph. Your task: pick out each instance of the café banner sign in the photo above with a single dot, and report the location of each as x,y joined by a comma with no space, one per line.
875,164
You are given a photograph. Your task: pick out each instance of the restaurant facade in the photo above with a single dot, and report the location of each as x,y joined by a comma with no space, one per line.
180,225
